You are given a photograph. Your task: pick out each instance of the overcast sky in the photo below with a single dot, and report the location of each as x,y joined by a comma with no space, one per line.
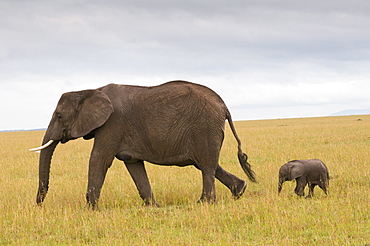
267,59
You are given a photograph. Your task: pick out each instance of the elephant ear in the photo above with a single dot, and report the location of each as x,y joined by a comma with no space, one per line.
94,110
296,170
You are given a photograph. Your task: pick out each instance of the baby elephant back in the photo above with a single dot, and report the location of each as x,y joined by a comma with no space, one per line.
317,172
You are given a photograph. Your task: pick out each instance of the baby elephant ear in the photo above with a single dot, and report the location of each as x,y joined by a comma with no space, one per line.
95,109
296,170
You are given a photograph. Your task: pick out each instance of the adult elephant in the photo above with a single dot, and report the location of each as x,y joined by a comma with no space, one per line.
176,123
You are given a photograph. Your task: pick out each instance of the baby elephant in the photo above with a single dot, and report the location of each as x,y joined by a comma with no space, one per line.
312,172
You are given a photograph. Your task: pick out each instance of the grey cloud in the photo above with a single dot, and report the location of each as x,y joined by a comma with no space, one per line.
77,43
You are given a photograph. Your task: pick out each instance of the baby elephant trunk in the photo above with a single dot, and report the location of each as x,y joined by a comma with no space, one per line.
280,185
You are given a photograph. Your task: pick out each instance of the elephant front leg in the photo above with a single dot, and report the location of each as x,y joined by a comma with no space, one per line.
98,167
236,185
209,189
140,177
299,189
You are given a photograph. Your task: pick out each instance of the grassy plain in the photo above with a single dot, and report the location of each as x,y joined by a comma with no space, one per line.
260,217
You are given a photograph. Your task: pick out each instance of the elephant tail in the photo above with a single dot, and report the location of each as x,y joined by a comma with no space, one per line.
243,158
325,175
327,179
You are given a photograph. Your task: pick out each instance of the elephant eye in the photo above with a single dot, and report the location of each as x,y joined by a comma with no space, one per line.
59,116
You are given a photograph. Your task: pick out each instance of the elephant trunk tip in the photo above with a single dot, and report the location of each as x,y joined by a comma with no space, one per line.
41,194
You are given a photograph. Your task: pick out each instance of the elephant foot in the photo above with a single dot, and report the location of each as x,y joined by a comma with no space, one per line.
299,193
156,205
92,206
238,190
150,203
204,199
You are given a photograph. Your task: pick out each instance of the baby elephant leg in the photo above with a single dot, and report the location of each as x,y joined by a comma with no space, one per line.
299,189
323,187
310,192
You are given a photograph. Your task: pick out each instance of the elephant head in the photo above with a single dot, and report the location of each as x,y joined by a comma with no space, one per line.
290,171
77,114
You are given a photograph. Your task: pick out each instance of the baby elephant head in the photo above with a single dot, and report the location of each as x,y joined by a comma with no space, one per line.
290,171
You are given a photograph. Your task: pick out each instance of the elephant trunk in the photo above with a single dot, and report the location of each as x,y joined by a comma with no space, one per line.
280,185
44,169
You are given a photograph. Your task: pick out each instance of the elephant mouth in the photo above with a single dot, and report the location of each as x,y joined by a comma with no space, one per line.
65,136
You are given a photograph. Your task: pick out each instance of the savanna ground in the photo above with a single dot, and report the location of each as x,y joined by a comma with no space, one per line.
260,217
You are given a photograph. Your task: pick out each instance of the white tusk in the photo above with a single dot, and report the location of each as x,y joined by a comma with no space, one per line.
42,147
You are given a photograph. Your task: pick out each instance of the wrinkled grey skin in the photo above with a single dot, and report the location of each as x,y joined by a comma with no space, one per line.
176,123
312,172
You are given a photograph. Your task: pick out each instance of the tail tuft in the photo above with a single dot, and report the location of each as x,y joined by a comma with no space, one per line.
243,160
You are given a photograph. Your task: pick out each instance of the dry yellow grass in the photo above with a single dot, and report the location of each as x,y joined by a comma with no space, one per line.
260,217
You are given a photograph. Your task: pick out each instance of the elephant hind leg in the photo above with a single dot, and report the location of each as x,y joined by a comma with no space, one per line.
209,189
238,190
236,185
324,188
311,190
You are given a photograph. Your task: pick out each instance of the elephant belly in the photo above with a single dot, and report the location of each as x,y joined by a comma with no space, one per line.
180,164
165,161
